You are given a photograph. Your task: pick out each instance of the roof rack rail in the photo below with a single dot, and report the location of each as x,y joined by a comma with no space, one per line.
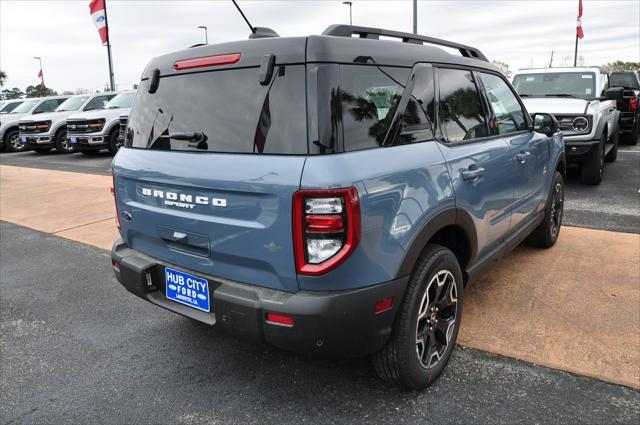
375,33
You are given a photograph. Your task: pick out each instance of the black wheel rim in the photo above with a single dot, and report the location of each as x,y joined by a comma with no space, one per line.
557,205
436,318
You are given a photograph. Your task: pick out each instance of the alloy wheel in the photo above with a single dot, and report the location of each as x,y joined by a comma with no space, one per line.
436,318
15,142
557,206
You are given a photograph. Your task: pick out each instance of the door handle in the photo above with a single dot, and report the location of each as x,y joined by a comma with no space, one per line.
472,173
522,157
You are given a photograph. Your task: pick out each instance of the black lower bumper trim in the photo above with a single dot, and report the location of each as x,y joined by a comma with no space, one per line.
580,151
327,324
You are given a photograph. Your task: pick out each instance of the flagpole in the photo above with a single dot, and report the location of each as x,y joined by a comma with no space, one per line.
575,54
106,23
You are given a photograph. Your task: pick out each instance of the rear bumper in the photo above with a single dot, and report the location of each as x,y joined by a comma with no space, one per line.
326,324
580,151
627,121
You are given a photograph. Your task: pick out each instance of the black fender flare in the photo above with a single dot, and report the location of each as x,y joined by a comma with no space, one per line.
447,217
562,160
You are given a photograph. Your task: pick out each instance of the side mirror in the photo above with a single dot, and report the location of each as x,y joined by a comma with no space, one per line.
545,124
614,93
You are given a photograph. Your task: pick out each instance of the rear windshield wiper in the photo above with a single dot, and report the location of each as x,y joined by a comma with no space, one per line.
196,139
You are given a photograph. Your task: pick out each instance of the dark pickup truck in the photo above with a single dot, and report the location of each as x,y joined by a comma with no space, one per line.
629,123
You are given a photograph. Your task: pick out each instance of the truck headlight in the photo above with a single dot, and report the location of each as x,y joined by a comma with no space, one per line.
580,124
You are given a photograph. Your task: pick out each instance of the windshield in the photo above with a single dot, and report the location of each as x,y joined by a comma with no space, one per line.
570,84
9,106
123,100
25,106
222,111
623,79
72,104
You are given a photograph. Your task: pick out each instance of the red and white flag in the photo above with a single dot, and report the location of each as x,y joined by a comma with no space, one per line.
41,76
579,31
96,8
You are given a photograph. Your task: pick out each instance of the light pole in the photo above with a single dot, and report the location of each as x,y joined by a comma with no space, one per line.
41,72
349,3
206,36
415,16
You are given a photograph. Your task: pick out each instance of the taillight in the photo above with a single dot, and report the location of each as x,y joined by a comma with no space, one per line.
326,228
206,61
633,103
113,192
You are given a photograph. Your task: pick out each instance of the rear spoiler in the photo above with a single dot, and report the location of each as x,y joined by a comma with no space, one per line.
375,33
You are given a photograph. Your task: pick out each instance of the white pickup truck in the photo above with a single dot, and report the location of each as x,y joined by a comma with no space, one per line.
579,98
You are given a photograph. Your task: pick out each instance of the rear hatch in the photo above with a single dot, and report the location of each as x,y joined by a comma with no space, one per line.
212,158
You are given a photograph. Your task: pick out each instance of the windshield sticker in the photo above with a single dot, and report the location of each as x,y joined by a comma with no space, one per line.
587,91
587,76
531,78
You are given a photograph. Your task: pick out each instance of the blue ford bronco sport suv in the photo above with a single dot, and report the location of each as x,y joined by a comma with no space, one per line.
331,194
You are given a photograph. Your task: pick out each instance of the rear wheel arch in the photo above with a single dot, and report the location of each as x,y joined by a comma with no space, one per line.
452,228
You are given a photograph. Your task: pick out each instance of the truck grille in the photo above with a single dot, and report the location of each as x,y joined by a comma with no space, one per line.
123,128
32,127
82,126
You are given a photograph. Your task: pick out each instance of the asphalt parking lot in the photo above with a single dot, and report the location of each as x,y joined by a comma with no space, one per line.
76,347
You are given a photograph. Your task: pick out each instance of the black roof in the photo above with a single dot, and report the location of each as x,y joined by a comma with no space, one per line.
335,45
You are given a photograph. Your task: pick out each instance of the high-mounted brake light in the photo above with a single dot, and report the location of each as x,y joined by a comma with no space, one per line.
113,193
326,228
206,61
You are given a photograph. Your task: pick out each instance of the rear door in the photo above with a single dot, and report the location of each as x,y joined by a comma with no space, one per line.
212,158
530,151
479,164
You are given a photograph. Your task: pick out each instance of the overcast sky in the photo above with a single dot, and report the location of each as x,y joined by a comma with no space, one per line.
521,33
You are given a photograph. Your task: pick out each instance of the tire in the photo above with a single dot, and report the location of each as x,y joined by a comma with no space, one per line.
62,145
91,152
633,138
41,150
613,153
113,141
546,234
12,141
593,168
436,282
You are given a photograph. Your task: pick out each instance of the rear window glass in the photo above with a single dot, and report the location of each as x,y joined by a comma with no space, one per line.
626,80
356,105
222,111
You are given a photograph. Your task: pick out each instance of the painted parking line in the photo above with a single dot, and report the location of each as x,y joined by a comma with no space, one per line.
575,307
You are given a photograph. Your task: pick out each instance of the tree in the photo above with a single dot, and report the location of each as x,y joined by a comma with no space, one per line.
14,93
39,91
504,68
623,66
3,77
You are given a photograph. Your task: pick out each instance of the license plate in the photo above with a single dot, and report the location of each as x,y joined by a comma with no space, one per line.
23,139
187,289
74,140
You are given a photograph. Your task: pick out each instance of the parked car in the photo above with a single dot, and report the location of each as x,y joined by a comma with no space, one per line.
9,122
282,190
44,132
628,106
90,132
7,106
585,109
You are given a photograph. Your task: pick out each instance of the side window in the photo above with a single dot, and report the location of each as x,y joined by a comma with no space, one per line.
508,115
47,106
462,116
417,120
368,96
